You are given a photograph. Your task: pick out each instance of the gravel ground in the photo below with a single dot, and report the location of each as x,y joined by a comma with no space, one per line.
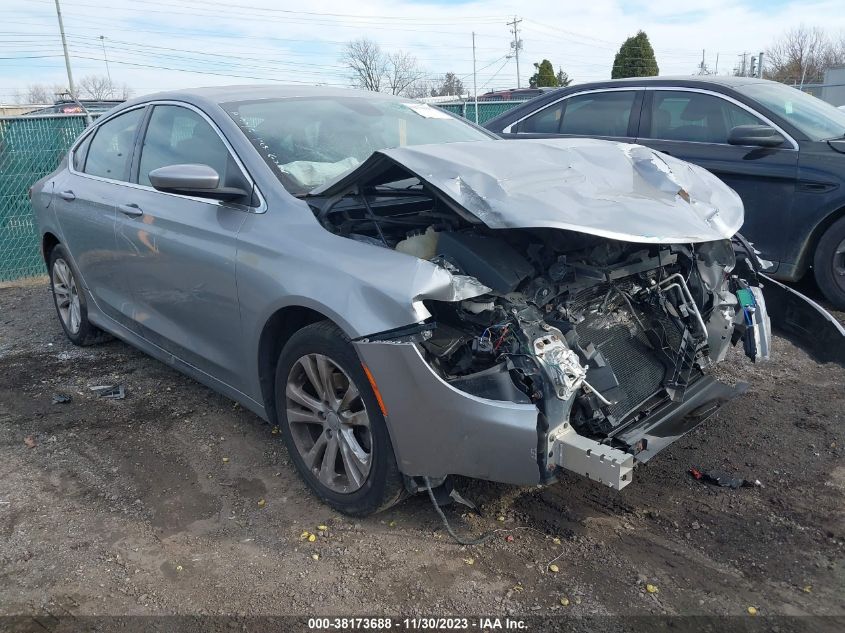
153,505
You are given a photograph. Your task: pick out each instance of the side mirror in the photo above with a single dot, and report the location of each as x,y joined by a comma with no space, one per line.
758,135
197,180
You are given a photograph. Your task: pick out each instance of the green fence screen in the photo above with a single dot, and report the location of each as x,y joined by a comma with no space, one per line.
30,147
486,109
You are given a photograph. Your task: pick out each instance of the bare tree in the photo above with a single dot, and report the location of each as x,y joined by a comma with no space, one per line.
450,86
122,92
402,72
800,54
419,89
36,93
367,62
372,69
96,87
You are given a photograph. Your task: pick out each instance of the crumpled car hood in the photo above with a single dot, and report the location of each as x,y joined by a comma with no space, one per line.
615,190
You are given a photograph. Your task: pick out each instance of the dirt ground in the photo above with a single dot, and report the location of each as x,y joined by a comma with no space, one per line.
153,505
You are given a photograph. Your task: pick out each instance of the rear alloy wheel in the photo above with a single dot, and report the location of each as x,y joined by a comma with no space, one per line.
67,296
70,301
332,423
829,264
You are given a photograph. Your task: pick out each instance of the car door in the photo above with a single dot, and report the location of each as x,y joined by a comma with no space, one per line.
85,197
611,114
693,125
179,251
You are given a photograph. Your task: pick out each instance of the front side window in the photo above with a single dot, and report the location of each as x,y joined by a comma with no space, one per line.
311,140
180,136
696,117
110,151
817,119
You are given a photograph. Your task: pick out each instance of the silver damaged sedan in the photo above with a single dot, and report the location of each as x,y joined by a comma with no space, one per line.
407,296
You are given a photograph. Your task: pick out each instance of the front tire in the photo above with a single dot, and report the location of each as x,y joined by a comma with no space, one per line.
332,423
829,264
70,301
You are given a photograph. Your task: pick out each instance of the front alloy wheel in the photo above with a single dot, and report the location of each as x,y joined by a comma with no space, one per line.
333,425
329,423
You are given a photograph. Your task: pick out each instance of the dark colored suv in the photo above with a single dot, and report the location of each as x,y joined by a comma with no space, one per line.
783,152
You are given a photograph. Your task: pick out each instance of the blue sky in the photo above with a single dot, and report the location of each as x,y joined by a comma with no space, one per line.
160,44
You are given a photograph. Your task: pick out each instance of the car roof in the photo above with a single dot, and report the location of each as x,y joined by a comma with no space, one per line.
225,94
703,80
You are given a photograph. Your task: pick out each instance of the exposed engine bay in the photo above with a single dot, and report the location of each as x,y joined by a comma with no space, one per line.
596,332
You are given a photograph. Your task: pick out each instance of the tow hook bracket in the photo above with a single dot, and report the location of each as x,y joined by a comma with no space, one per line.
581,455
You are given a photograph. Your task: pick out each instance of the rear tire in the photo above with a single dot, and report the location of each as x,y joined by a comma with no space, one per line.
70,300
829,264
332,424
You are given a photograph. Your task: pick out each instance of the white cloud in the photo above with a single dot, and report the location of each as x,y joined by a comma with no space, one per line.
255,41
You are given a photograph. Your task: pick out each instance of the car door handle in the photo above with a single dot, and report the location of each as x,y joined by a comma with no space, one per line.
67,195
132,210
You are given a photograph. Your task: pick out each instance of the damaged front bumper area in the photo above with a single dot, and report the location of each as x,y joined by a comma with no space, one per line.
576,314
438,430
593,369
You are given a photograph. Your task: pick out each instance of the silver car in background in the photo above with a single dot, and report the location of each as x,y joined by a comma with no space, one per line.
405,295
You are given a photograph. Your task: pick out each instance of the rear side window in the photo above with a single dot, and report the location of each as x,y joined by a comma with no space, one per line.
696,117
591,114
80,153
180,136
546,121
598,114
110,151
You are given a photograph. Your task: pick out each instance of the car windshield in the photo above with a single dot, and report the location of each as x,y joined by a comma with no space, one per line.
311,140
817,119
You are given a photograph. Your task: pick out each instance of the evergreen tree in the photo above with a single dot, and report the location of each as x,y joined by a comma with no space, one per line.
563,79
544,75
635,58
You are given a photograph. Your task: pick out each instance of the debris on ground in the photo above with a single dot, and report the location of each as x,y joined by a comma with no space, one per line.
112,392
30,442
723,479
61,398
554,568
261,503
752,610
652,588
564,602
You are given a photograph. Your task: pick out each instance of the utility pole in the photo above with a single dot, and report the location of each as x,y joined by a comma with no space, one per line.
744,59
702,65
70,85
716,70
106,59
516,45
760,65
474,79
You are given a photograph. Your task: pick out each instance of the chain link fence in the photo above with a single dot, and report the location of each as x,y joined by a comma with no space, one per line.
486,109
30,148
